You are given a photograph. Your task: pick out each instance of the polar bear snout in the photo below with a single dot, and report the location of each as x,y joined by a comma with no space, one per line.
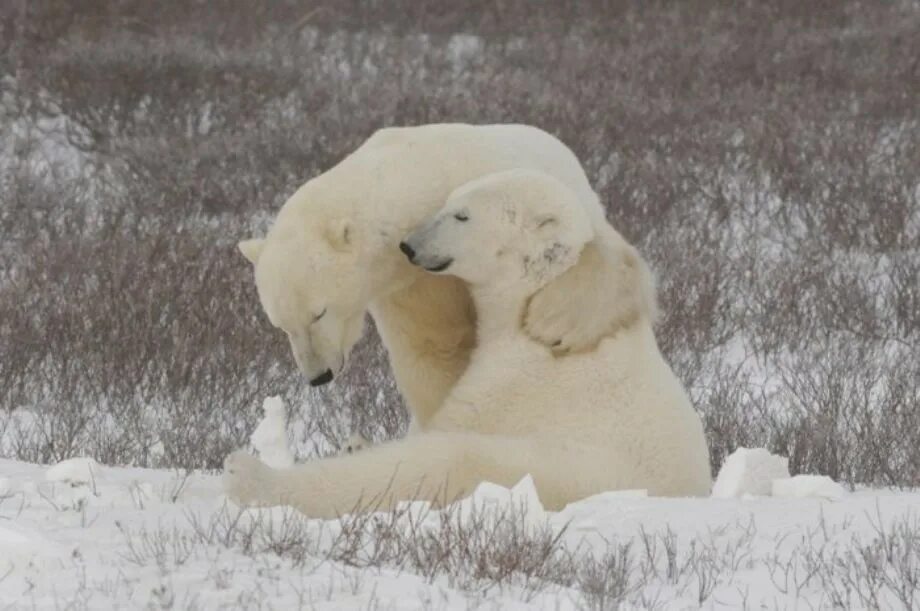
417,245
322,379
319,366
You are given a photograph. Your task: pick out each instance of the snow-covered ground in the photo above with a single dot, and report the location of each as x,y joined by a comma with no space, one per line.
80,535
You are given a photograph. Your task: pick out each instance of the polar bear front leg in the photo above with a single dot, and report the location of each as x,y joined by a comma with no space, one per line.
429,466
428,329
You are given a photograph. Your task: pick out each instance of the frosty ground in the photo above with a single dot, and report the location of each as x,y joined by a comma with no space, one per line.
83,536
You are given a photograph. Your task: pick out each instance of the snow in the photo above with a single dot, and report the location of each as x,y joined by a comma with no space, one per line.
139,538
270,438
749,471
74,471
492,500
802,486
756,472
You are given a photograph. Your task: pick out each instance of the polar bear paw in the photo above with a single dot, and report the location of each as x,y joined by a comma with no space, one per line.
247,480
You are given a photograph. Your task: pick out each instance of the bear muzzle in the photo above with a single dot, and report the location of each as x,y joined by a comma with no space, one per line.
439,267
423,260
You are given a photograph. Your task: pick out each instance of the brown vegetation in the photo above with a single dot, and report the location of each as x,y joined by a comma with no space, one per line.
765,156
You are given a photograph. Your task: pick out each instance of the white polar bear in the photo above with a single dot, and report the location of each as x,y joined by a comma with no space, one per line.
332,255
612,418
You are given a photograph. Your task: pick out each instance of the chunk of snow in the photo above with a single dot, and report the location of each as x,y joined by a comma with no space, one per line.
74,471
493,501
6,486
802,486
270,437
749,471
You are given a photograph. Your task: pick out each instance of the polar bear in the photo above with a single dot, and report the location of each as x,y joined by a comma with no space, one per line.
331,256
612,418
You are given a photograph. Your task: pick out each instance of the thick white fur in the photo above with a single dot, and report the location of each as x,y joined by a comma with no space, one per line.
612,418
333,250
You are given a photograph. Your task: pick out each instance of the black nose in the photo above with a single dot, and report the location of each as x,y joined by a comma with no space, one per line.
408,251
323,378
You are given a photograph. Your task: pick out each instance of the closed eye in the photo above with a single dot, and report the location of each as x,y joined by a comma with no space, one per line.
318,316
462,217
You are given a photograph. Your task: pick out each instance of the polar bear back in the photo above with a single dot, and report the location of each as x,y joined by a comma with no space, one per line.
445,156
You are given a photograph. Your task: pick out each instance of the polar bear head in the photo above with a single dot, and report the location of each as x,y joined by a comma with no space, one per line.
313,283
517,228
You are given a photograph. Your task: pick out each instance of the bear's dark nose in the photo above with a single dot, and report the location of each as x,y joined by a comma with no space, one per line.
408,251
323,378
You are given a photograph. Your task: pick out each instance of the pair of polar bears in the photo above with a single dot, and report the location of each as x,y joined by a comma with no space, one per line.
517,320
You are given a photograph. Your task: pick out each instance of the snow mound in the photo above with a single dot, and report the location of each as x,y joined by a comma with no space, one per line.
270,437
749,471
802,486
75,471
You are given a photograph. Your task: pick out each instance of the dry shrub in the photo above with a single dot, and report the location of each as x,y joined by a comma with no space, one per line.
763,156
496,549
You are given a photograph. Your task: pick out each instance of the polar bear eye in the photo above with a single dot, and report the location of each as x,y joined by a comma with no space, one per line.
462,217
320,315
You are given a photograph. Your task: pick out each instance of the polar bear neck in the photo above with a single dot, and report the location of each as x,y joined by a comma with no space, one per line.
499,310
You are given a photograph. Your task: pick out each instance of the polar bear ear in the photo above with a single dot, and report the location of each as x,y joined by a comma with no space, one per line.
609,288
339,233
252,249
556,245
